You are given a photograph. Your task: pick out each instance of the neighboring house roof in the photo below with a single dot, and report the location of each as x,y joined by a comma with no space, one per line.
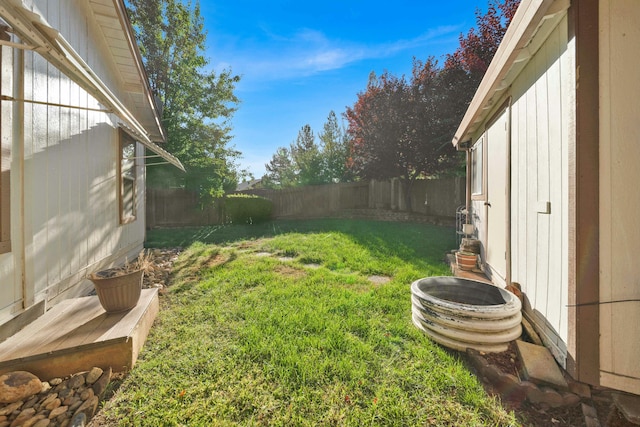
248,185
138,111
530,26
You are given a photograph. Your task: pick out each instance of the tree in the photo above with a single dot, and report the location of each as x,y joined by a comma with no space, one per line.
398,130
334,150
280,170
307,163
467,65
197,103
403,128
306,158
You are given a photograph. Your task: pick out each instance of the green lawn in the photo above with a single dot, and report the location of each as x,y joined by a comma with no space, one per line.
279,325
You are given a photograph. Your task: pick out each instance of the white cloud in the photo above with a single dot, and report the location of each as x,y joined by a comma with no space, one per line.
309,52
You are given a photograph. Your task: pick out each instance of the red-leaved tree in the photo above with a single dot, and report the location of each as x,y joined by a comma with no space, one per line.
402,128
397,130
479,45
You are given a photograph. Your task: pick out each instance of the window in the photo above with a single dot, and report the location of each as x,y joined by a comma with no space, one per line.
127,175
476,167
5,161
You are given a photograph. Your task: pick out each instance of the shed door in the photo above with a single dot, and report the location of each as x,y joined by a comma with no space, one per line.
497,187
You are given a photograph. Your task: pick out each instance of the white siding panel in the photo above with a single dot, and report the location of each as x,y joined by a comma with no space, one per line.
70,188
533,288
539,173
10,288
541,192
549,190
39,199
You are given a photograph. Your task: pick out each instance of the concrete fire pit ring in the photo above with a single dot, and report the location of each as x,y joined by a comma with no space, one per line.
461,313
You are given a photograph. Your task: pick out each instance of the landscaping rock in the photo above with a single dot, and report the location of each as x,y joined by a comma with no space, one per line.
629,406
89,407
76,381
23,417
57,407
552,397
79,420
101,384
93,375
58,411
18,385
581,389
33,421
539,366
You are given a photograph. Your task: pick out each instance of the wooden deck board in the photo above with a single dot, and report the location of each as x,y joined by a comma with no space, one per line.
78,334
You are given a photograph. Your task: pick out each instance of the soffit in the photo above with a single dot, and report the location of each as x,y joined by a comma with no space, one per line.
110,17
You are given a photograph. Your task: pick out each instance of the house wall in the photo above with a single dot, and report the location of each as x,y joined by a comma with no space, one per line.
64,194
619,199
541,136
541,122
10,287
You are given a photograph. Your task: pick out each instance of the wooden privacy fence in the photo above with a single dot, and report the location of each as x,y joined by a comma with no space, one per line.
433,197
316,200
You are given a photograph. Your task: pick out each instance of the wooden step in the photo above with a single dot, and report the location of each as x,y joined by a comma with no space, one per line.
77,334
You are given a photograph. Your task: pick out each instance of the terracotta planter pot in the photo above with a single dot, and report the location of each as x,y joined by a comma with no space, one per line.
466,261
118,293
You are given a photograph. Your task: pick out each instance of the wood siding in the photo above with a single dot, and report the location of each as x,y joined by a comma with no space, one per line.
540,126
619,199
541,121
71,219
10,288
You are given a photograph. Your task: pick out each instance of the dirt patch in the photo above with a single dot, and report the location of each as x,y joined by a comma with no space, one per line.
216,261
313,265
248,244
198,263
379,280
288,271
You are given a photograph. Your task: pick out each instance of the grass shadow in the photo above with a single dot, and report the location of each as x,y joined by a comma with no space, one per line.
423,243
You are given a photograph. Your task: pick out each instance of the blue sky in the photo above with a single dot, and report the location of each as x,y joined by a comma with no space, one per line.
298,60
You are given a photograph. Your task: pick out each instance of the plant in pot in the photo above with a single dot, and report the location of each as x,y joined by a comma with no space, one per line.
119,288
466,260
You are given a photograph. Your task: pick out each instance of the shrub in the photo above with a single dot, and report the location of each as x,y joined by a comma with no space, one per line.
246,209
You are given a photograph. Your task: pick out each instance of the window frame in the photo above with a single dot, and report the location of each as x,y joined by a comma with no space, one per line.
124,139
477,166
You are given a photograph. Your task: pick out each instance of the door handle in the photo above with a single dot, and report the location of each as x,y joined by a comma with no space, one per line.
487,204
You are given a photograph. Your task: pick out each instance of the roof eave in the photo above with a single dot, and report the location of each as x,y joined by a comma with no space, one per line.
511,56
129,33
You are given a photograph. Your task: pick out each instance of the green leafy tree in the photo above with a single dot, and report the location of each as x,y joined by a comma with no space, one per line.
306,158
197,104
334,150
307,163
280,170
